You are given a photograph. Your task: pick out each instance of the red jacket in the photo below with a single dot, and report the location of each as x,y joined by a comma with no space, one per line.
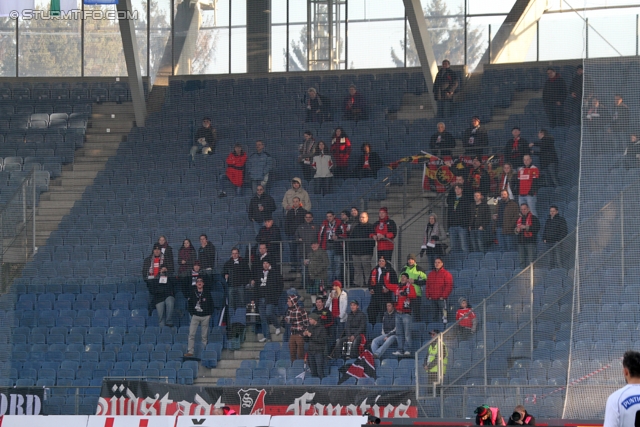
325,230
403,304
439,284
388,229
340,151
235,168
465,317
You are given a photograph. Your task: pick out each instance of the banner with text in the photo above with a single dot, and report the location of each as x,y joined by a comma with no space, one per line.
151,398
440,172
21,401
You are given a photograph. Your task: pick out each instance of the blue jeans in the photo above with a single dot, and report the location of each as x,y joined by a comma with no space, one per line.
459,239
165,317
267,316
506,242
445,107
531,201
403,331
335,264
379,345
478,238
527,253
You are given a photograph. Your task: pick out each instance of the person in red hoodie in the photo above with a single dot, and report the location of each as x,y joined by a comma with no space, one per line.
235,167
384,231
466,318
439,286
340,152
404,293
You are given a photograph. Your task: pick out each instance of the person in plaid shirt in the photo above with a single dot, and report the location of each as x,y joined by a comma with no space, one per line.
299,321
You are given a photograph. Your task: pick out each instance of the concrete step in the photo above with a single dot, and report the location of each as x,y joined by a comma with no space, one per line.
96,152
246,354
86,166
115,121
52,211
102,136
112,107
76,182
65,196
220,373
229,364
93,160
101,144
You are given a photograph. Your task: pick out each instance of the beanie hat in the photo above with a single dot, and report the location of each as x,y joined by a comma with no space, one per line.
314,316
482,410
337,283
411,256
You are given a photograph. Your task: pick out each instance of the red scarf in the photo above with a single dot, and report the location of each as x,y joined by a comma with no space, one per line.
528,222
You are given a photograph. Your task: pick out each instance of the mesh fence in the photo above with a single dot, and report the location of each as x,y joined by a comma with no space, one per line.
606,300
516,351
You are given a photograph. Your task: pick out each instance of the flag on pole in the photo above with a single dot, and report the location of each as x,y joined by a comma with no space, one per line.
8,6
54,10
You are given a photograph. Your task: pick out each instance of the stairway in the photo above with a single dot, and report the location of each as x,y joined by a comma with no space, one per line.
108,125
518,104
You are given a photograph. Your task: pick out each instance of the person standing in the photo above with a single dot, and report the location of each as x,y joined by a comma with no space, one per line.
384,232
340,153
516,147
331,238
157,271
555,230
459,216
480,223
439,287
270,285
431,364
528,183
322,164
361,250
432,234
404,292
506,219
316,336
444,87
620,410
442,142
298,321
554,94
381,276
475,138
235,167
206,255
337,303
307,150
259,165
527,228
200,307
261,207
237,275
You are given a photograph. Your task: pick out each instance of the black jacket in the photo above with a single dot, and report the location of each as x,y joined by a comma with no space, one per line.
203,300
293,219
554,90
207,256
446,81
268,235
362,247
480,181
547,152
554,229
318,339
267,203
513,154
459,215
447,141
356,323
480,139
529,420
389,323
480,216
272,288
209,135
158,291
375,164
239,272
620,118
